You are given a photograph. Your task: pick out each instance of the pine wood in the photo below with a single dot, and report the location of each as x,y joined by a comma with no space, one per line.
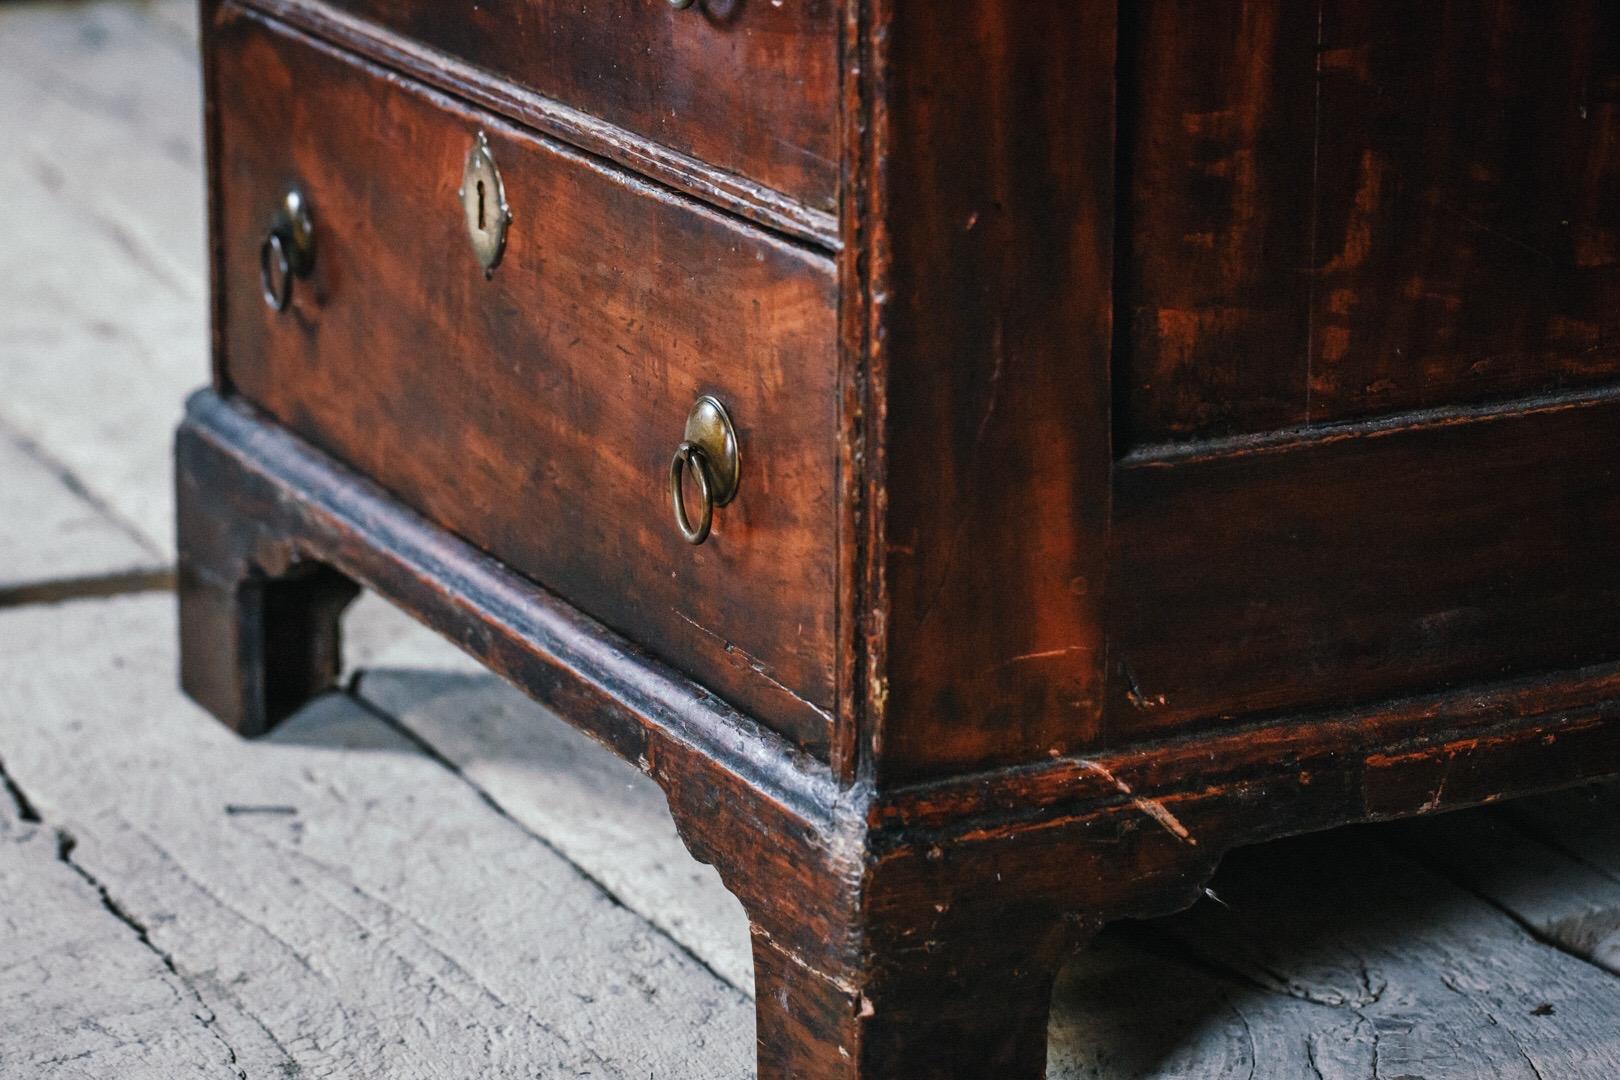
1054,660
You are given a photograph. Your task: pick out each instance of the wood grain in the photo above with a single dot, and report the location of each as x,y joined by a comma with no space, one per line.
879,914
58,541
536,412
1325,574
1173,998
103,274
1468,995
1529,871
81,994
1216,169
988,420
1352,209
1074,657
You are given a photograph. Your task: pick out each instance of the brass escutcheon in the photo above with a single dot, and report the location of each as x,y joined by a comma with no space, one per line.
709,452
483,203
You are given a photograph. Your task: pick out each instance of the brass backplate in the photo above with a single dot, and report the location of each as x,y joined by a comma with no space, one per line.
483,203
294,217
708,427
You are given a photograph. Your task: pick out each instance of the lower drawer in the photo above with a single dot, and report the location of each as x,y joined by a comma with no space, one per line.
535,410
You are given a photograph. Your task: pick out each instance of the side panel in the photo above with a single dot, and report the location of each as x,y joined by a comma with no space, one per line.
1305,576
1355,208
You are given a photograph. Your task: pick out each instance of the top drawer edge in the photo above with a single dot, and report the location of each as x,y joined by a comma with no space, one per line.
727,190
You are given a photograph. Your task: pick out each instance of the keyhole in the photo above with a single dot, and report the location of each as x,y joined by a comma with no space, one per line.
482,227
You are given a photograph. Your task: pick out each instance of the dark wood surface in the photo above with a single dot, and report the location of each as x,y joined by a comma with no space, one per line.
536,412
987,426
748,86
1060,566
1360,207
1407,225
1337,572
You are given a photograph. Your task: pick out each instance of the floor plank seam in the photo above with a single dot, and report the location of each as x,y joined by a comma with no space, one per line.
433,754
1536,934
1146,939
90,587
69,479
1513,818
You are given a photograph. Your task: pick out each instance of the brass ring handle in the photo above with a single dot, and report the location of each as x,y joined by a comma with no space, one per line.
709,451
288,251
691,456
276,285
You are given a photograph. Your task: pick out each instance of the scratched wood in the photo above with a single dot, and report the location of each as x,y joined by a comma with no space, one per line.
550,446
1131,984
666,74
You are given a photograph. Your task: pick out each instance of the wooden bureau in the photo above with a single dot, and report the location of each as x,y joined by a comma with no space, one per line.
983,461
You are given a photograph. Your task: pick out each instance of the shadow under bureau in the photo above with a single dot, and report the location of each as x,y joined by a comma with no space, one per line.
983,461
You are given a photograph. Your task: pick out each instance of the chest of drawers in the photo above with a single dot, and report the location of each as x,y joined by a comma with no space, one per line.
984,461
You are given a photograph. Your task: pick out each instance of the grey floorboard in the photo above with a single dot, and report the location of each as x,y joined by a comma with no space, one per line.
340,902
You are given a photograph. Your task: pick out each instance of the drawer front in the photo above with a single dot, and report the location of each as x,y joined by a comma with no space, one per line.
751,88
535,411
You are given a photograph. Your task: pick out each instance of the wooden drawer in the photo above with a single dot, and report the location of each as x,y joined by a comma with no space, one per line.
750,88
535,412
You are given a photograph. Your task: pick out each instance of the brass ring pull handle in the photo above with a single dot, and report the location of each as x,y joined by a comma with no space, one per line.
690,457
709,452
275,272
288,251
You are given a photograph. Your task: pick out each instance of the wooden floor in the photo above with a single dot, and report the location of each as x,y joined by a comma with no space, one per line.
427,876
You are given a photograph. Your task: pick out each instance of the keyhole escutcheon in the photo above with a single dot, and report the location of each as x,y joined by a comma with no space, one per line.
483,202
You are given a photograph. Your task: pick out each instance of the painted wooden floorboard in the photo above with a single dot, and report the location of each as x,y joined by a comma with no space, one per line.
53,539
103,283
82,997
339,901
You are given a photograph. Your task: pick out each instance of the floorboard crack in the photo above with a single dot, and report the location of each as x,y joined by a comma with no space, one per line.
1539,935
65,843
25,808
